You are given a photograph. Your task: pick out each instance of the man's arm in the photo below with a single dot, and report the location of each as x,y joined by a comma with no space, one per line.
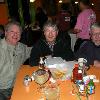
97,63
67,53
1,58
28,52
84,52
25,50
34,56
79,24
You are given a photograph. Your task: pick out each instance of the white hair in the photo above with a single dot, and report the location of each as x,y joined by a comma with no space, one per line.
50,23
95,25
10,24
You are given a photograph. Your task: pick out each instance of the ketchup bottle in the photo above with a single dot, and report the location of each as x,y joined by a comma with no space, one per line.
75,73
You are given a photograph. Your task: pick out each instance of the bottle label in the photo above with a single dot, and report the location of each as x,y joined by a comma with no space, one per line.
91,89
79,71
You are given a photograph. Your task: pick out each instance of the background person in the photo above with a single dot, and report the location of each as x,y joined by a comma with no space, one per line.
63,20
85,19
41,17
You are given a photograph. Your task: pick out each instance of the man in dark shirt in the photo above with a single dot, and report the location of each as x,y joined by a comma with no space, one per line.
90,50
50,45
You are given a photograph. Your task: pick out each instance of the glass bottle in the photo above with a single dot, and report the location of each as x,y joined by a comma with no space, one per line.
79,75
91,87
82,88
82,65
41,63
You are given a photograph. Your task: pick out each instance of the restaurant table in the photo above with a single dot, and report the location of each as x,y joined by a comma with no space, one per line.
21,92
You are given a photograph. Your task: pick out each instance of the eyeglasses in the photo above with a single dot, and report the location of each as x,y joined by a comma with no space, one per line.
12,32
96,34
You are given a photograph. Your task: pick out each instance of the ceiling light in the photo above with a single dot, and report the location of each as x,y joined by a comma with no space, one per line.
92,4
32,0
76,2
60,1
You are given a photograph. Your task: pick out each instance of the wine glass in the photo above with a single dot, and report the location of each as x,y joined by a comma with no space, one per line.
41,76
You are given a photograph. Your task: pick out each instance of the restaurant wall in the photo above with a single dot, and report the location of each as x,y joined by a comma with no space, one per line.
4,10
97,8
3,13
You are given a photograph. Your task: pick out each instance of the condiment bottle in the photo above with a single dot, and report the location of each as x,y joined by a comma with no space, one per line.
75,73
41,63
82,88
82,63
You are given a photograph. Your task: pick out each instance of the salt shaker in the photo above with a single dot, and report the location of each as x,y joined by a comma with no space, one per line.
27,80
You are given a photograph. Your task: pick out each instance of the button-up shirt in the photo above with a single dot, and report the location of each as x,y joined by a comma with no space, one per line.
11,58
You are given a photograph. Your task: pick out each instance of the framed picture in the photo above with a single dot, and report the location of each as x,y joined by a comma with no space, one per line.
2,1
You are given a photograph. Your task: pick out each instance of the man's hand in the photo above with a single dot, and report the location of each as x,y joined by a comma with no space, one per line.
97,63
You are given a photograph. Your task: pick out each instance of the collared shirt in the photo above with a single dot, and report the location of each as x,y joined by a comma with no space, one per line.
85,19
51,46
11,58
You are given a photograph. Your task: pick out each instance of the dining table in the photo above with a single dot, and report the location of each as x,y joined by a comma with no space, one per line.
30,92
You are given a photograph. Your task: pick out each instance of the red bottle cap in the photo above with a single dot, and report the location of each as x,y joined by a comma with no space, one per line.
76,65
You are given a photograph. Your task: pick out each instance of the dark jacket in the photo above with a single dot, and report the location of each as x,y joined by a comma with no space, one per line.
41,49
89,51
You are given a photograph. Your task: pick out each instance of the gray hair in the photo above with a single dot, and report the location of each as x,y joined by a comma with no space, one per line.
50,23
95,25
11,23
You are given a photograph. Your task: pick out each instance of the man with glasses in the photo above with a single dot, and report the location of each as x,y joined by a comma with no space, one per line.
90,50
12,55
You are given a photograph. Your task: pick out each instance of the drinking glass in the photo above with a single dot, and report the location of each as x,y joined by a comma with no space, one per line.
41,77
51,92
